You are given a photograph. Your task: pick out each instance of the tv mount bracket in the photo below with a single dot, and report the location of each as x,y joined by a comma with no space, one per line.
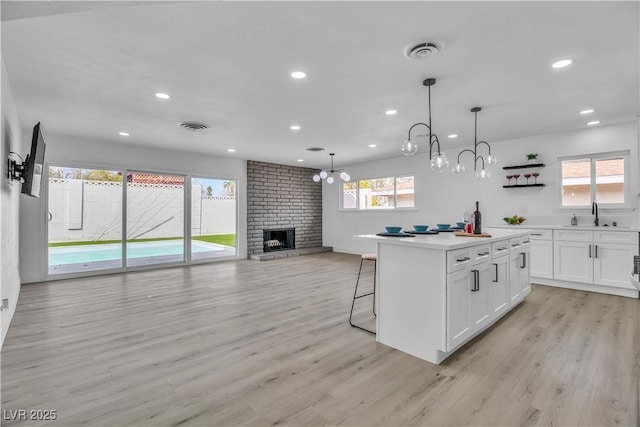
15,170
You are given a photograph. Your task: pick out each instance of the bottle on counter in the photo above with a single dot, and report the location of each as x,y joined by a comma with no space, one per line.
477,220
574,220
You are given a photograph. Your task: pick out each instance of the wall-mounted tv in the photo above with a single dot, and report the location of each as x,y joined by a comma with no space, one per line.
34,164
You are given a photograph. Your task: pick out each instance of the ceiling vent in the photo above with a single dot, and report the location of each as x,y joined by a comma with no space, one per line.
421,51
194,126
315,149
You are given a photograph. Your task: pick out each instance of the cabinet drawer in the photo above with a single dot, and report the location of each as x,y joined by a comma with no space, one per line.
481,253
514,243
627,237
573,235
541,234
459,259
500,248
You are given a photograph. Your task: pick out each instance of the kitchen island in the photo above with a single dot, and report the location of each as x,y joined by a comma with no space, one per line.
436,292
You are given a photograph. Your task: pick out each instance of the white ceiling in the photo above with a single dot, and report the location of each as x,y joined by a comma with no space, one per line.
91,69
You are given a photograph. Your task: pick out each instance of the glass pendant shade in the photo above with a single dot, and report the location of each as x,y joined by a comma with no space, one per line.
458,169
316,178
483,174
439,162
491,159
409,148
330,180
345,176
324,174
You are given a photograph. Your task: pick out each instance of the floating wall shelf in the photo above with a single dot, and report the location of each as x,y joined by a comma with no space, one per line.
522,185
528,165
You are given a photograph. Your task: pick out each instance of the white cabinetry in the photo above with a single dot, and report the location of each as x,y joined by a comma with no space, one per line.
499,271
519,276
595,257
478,287
541,250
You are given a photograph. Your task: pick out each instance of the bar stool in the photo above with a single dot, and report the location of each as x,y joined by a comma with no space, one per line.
365,257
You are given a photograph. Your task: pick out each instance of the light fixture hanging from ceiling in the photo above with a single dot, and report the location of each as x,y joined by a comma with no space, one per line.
328,174
489,160
439,161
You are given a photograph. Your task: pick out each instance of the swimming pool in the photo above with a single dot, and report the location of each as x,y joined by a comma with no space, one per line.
60,255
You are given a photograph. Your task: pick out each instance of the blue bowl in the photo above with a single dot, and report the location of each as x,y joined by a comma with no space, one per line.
460,224
421,227
443,226
393,229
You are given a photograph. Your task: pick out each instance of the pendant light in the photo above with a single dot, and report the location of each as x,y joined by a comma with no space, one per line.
489,160
328,174
439,161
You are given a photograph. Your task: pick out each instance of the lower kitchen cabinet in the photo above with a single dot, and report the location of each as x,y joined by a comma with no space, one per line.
459,325
498,287
611,264
541,258
573,261
519,275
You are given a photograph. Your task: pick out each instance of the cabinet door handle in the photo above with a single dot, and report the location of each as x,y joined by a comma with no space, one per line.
536,234
463,259
524,259
502,248
484,253
596,251
526,241
589,251
476,279
515,245
496,279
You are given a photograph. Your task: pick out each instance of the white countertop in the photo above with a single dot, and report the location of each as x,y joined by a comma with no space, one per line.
447,240
567,227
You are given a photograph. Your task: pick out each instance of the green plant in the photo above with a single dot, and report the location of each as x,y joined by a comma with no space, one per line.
532,156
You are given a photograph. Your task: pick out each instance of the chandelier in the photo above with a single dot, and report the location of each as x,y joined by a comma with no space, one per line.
439,161
489,160
328,174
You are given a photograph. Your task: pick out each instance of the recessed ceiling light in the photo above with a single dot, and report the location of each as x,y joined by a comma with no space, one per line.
162,95
562,63
593,123
588,111
453,135
294,127
298,74
372,145
301,160
124,133
231,150
391,112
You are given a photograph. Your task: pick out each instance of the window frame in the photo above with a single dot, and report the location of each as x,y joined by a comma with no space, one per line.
593,158
387,209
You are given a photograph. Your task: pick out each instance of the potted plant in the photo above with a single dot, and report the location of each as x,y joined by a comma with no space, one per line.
533,157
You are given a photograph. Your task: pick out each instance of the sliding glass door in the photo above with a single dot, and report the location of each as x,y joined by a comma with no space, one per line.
85,220
155,218
213,218
99,220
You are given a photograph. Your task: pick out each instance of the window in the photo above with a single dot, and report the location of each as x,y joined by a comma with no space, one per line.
379,193
601,178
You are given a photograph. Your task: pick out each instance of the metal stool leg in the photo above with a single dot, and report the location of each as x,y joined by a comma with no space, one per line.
355,297
375,268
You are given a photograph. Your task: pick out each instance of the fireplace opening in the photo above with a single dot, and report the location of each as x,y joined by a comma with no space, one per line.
279,239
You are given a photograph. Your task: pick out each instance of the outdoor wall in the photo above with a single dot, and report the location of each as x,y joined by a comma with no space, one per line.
64,150
9,205
87,210
280,196
444,197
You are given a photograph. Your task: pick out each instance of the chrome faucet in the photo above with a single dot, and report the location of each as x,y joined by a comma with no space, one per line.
594,211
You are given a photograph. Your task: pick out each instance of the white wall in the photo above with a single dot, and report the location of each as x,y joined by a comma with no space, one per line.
9,205
65,151
443,197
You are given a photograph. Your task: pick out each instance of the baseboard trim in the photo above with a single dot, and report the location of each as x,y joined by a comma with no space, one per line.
630,293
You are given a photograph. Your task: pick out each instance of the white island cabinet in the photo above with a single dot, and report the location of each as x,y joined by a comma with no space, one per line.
436,292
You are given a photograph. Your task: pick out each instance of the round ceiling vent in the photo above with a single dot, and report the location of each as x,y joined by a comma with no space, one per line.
194,126
315,149
421,51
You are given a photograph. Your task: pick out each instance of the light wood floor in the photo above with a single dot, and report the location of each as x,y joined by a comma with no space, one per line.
268,343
